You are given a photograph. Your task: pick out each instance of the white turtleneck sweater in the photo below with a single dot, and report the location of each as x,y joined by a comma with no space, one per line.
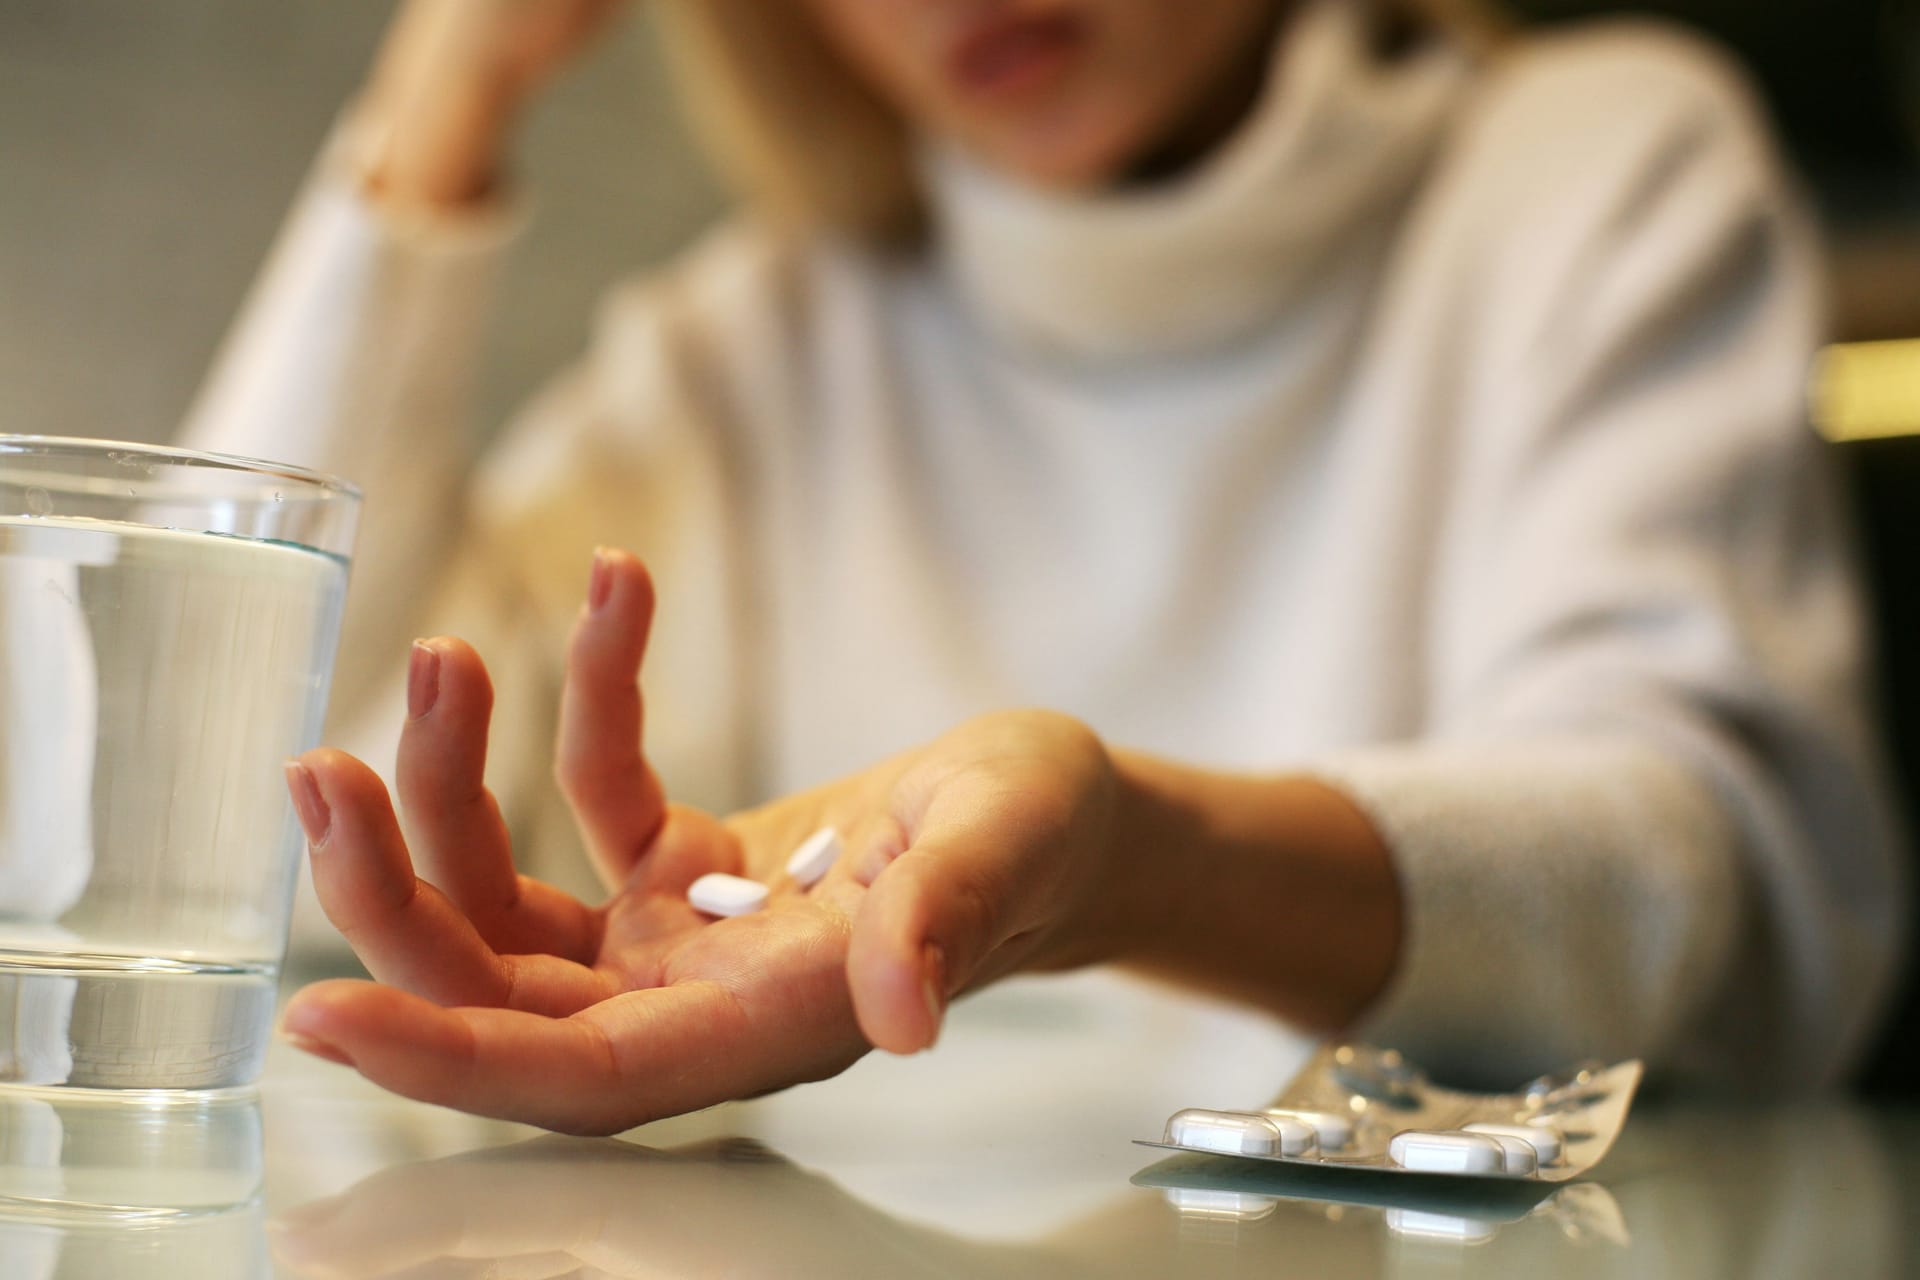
1441,437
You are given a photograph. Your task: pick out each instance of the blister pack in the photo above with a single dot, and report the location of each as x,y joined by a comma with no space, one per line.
1356,1106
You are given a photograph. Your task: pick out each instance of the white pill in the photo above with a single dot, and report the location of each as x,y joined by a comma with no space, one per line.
815,856
723,895
1430,1152
1517,1155
1546,1140
1332,1129
1239,1133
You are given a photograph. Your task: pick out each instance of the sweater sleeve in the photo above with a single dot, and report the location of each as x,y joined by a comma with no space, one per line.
356,354
1648,818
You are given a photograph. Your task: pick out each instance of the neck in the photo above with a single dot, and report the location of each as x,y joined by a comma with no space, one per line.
1219,110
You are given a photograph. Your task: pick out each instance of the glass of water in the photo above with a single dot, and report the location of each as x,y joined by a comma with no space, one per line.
167,629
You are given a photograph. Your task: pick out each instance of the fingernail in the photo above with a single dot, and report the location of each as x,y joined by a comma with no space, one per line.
308,803
318,1048
600,585
933,985
423,680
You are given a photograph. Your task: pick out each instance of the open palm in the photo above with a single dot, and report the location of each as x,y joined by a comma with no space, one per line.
501,995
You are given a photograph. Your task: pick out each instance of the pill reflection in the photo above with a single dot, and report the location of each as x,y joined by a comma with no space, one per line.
1225,1206
1444,1227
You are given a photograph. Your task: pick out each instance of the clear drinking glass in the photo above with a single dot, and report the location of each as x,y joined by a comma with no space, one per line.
167,630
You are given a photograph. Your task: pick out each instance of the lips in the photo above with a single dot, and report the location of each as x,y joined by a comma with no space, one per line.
1017,55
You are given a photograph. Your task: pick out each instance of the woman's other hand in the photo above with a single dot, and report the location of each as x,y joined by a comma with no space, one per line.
964,860
450,80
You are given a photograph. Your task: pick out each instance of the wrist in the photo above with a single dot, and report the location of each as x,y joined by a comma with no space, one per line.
1133,868
1142,864
1103,887
1276,890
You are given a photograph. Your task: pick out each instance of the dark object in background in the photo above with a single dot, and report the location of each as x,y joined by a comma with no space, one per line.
1885,478
1842,80
1839,74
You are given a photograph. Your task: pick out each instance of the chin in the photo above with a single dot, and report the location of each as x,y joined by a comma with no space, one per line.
1064,156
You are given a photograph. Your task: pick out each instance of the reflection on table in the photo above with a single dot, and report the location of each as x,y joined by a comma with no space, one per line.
1005,1153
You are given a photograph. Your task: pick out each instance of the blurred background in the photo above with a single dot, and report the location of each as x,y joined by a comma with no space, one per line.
148,149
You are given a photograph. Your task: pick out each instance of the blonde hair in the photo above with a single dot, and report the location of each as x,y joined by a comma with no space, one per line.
809,145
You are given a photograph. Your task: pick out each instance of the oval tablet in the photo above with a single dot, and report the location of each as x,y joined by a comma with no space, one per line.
1239,1133
815,856
1330,1128
1545,1139
1517,1156
718,894
1434,1152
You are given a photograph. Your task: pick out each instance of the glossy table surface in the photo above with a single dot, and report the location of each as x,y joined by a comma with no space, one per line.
1006,1151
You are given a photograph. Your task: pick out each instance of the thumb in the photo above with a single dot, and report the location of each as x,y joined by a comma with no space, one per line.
931,925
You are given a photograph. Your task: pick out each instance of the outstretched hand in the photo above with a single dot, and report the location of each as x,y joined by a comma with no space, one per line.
501,995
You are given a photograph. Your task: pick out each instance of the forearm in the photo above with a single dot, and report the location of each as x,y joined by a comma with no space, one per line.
1576,894
1275,890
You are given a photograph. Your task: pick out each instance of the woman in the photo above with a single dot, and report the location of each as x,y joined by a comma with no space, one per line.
1380,455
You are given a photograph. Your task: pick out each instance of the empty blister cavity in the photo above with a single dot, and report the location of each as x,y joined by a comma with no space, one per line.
1577,1078
1378,1075
718,894
1441,1152
1331,1130
1546,1140
1239,1133
815,856
1575,1089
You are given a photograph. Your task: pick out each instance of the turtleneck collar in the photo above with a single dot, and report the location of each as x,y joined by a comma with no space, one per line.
1338,135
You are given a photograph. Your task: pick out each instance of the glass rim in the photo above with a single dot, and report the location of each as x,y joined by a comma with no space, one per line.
10,443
